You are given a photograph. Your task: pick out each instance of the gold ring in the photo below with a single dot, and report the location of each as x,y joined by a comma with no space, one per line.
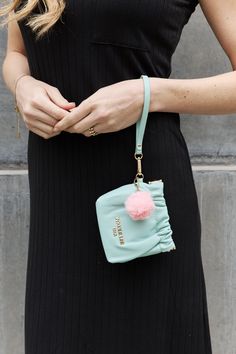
92,131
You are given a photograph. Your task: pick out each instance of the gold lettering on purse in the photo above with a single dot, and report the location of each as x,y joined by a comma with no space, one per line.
117,230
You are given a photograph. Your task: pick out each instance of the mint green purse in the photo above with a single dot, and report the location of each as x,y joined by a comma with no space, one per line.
133,219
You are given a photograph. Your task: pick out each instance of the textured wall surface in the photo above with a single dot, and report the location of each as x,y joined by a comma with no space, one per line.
212,146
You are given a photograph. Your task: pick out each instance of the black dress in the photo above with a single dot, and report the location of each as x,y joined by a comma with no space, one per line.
76,301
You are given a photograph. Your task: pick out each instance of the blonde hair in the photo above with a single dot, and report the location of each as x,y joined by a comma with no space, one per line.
39,23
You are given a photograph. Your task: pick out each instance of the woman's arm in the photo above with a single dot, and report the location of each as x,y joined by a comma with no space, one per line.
210,95
41,105
15,62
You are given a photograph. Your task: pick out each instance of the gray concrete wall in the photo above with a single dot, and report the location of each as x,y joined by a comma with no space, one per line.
212,146
211,139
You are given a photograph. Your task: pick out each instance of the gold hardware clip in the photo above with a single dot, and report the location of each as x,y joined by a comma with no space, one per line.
139,173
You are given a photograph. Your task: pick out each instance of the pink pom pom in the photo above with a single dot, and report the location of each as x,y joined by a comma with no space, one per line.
139,205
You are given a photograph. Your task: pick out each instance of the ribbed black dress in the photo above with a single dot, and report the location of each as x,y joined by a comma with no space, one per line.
76,301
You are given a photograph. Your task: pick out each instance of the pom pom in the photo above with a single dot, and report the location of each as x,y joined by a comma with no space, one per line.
139,205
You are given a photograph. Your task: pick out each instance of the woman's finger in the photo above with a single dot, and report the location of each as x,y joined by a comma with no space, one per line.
76,114
42,133
99,128
57,98
86,123
43,103
37,115
41,126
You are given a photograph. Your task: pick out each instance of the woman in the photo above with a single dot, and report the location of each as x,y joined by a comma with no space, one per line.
75,68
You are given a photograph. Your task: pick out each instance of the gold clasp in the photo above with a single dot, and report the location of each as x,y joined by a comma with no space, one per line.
138,157
139,174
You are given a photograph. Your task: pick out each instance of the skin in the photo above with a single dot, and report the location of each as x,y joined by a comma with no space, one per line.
46,112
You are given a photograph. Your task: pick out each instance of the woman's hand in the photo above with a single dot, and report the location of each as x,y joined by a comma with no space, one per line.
109,109
41,105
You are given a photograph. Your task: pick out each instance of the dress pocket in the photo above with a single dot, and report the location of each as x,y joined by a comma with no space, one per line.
118,43
121,24
123,60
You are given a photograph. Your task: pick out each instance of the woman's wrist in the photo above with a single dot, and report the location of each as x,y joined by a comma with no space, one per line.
16,108
159,94
172,95
18,79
